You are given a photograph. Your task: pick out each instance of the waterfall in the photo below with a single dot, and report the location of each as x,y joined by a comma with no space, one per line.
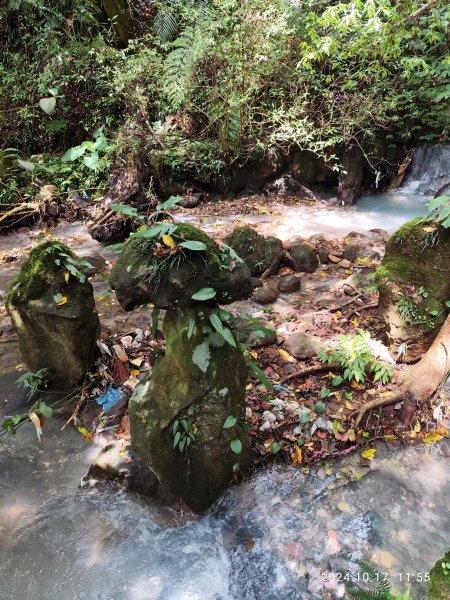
429,171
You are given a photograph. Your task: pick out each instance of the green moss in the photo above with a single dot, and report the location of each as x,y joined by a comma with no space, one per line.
408,262
439,584
39,272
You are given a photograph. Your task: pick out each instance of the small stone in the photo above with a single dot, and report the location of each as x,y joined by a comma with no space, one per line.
302,346
289,284
266,294
269,416
352,252
265,426
333,258
287,245
127,340
344,264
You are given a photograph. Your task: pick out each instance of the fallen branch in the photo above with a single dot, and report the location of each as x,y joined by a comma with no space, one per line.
308,371
365,307
336,308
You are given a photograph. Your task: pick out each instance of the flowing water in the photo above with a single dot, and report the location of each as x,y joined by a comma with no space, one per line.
284,534
378,211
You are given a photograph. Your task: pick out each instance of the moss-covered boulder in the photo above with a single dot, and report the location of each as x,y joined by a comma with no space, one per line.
258,251
166,272
414,285
439,584
53,312
303,258
177,416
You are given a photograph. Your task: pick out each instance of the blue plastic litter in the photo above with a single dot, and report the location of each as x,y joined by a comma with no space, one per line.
281,387
110,398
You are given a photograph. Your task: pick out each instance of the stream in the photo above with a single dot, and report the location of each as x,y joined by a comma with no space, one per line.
284,534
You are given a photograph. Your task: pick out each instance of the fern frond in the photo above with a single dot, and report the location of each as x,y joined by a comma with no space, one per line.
165,25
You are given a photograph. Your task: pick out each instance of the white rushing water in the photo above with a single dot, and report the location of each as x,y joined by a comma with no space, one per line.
283,534
382,211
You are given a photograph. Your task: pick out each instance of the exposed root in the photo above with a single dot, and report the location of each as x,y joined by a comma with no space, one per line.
308,371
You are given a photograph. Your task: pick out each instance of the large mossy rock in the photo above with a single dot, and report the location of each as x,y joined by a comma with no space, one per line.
414,284
201,379
54,316
143,276
439,584
258,251
302,258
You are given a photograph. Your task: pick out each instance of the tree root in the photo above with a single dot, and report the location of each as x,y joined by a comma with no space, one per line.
378,402
308,371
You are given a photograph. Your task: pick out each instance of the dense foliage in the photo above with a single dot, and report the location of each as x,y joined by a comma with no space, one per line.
215,82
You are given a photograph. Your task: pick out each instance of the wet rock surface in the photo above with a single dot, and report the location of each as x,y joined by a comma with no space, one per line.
54,315
189,395
259,252
142,276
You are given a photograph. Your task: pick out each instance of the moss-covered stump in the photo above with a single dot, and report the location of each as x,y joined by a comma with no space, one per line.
193,389
148,271
439,584
258,251
414,284
54,315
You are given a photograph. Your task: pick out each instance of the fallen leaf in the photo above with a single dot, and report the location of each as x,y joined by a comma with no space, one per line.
37,424
285,355
432,437
249,544
369,454
348,405
296,456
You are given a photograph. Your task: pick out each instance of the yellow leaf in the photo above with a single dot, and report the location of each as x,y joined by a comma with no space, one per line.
369,454
285,355
348,405
356,386
296,456
135,372
62,301
429,229
354,322
254,354
431,438
168,241
66,276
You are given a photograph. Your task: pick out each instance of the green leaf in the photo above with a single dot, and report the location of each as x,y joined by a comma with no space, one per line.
26,164
124,209
259,374
228,337
53,91
193,245
447,304
176,439
204,294
320,407
175,426
275,447
434,313
48,104
73,153
230,422
337,380
92,160
169,203
191,326
236,446
43,409
182,444
324,393
185,425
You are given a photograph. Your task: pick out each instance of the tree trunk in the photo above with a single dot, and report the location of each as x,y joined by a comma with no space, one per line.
417,383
